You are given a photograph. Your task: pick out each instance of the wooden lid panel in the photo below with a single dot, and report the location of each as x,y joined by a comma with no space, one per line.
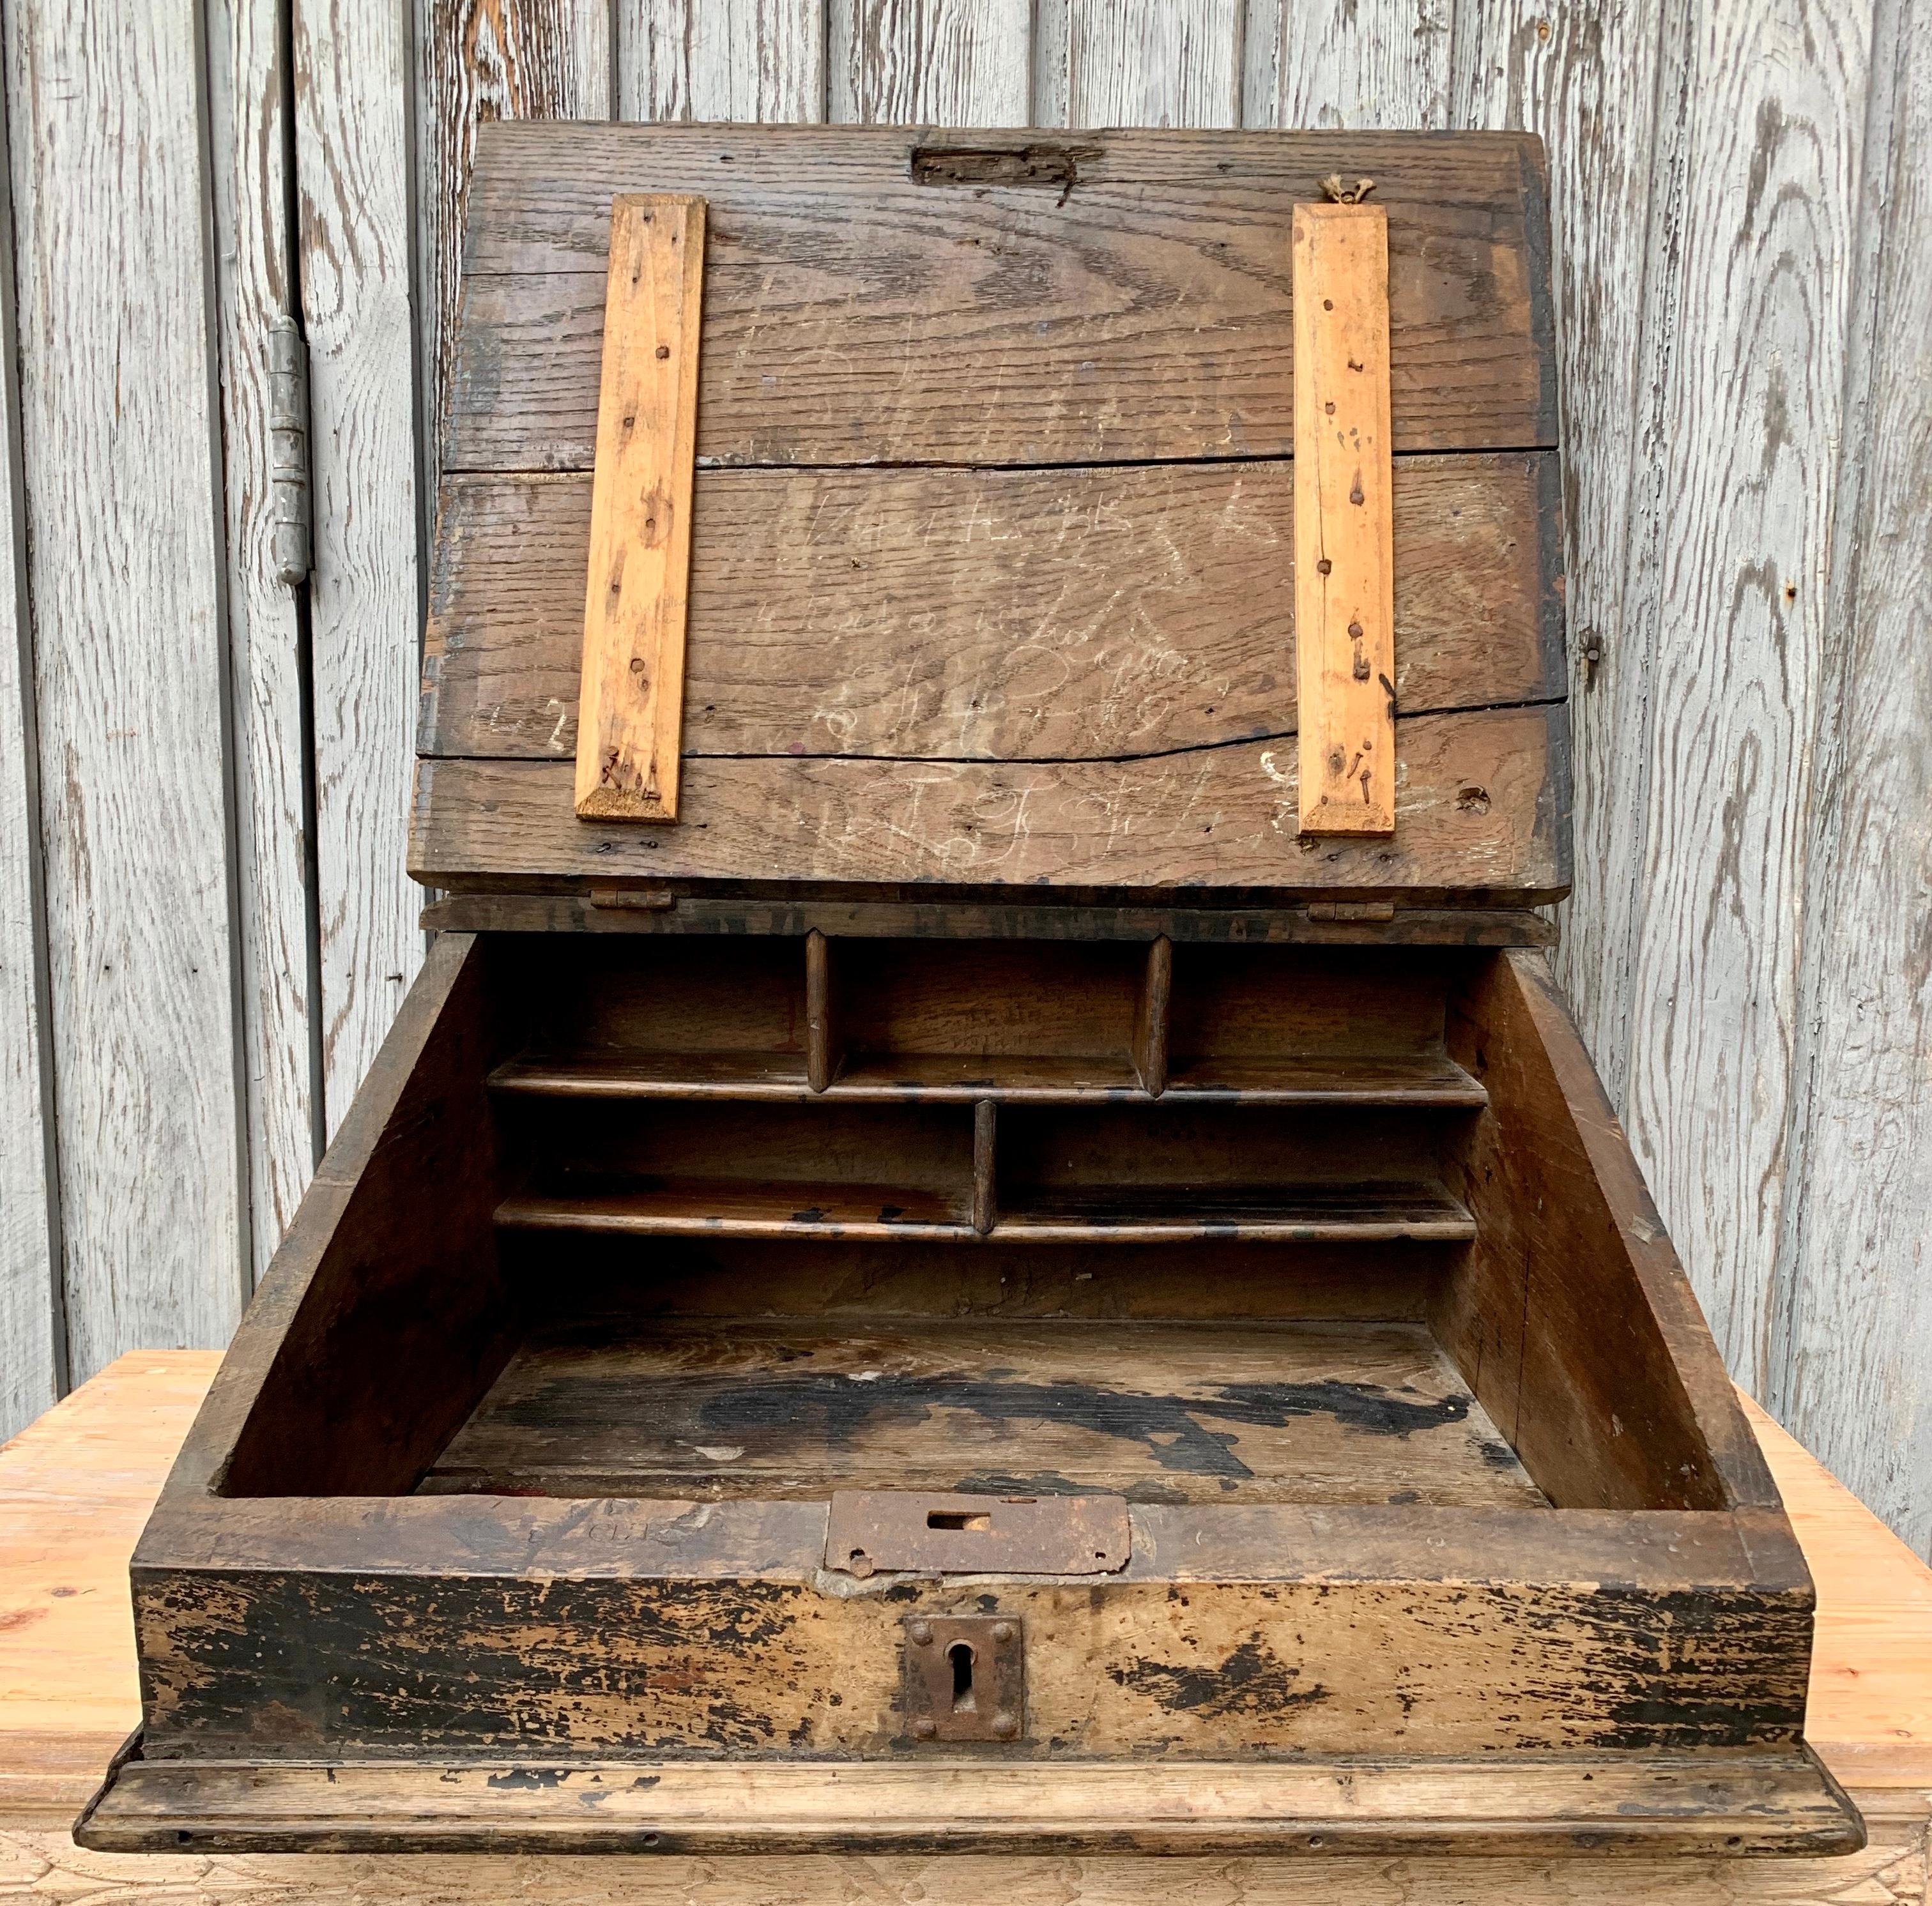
1138,309
992,579
1481,811
996,614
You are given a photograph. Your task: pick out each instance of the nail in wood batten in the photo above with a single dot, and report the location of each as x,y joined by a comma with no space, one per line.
1344,560
630,711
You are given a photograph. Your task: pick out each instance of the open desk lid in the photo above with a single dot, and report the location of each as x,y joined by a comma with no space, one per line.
991,576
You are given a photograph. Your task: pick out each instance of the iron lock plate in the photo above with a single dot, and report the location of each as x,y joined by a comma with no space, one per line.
874,1529
965,1677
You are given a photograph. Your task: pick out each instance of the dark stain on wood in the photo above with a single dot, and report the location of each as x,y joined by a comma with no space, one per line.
1251,1678
1170,1427
1052,163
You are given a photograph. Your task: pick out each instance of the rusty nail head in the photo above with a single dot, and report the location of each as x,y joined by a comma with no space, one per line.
923,1729
1003,1631
1004,1726
921,1631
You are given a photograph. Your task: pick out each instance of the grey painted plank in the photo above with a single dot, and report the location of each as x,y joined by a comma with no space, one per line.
1755,401
931,62
1587,85
757,60
254,249
33,1337
353,89
119,430
1340,63
1851,1375
1139,62
477,62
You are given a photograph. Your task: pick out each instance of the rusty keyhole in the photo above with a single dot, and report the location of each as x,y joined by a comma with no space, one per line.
960,1658
965,1678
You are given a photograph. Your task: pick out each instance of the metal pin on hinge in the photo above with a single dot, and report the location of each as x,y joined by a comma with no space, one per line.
288,452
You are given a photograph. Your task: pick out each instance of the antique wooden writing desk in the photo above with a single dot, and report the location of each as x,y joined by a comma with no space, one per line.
984,1232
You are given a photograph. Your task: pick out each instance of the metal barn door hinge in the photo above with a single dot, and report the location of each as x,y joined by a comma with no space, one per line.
288,452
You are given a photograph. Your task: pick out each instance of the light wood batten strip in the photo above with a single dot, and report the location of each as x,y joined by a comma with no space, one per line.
1344,561
630,715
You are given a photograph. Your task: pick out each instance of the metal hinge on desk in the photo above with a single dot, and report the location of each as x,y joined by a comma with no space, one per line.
288,452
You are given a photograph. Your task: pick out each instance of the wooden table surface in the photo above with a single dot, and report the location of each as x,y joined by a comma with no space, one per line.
76,1488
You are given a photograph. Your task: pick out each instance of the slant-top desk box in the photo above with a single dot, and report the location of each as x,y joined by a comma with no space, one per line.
983,1229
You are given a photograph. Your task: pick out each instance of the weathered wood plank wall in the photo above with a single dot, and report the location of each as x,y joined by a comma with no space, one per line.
33,1321
251,182
204,927
119,427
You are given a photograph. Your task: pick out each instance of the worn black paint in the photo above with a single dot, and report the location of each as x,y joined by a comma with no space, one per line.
777,1412
1251,1681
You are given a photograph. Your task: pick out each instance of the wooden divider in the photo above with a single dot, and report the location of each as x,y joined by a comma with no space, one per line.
1151,1021
855,1124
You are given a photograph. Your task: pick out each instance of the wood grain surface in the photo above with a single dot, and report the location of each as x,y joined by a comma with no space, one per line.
586,1668
254,253
1474,812
1851,1296
630,724
1890,1872
1080,348
1767,1028
407,1293
762,60
353,88
930,62
1571,1308
997,614
1344,543
1337,63
775,1408
1139,62
1567,76
1758,1806
124,542
33,1332
1755,396
478,61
